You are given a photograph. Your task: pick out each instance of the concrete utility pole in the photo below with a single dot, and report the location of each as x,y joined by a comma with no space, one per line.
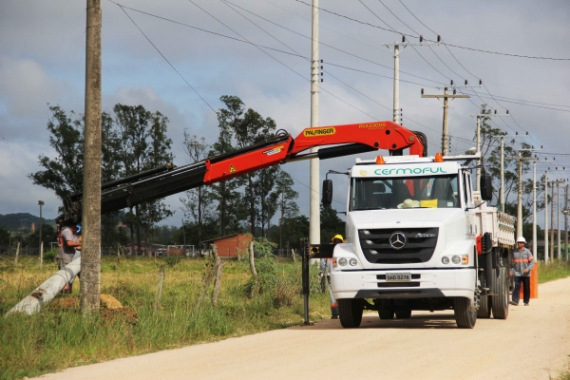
397,111
91,235
553,197
478,136
41,203
566,223
546,217
315,201
446,97
520,159
534,237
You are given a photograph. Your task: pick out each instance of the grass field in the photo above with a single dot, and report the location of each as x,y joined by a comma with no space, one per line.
60,337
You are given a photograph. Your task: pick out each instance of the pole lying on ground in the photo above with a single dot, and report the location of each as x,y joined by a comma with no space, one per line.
43,294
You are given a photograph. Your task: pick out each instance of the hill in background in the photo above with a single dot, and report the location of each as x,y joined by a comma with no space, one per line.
23,222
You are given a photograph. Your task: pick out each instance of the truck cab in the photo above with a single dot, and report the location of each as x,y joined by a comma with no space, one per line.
413,237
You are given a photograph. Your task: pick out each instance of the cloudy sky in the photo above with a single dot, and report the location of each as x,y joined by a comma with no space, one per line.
179,56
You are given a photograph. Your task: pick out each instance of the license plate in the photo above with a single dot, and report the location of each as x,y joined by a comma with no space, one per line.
398,277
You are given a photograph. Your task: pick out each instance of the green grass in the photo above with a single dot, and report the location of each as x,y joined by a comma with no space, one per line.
57,338
555,270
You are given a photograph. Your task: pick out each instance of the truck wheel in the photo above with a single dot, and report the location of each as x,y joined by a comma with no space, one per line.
350,312
500,304
484,307
403,314
386,314
465,314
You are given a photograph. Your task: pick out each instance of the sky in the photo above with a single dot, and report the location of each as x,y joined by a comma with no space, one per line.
180,56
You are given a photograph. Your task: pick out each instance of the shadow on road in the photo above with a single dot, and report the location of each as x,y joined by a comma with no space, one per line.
372,321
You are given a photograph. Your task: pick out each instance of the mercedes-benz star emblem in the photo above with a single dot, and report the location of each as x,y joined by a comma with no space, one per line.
398,240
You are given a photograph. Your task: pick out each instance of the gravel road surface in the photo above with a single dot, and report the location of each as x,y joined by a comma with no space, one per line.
533,343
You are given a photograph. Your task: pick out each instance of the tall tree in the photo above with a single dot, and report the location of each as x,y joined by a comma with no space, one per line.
491,157
144,146
285,201
247,127
64,173
198,203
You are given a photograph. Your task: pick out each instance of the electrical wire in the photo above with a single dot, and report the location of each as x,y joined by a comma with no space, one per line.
443,43
166,59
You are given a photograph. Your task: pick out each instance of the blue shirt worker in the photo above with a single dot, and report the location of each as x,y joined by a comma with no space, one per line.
523,261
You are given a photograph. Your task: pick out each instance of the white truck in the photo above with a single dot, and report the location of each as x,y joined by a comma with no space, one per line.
418,237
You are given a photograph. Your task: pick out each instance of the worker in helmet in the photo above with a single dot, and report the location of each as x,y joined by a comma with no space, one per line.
523,261
326,265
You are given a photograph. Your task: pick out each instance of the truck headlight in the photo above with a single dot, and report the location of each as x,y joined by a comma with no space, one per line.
456,259
353,262
445,260
342,261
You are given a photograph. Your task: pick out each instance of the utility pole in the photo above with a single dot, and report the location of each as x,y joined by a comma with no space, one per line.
553,183
565,211
315,201
396,118
41,203
558,213
520,159
446,97
546,217
91,236
502,189
478,136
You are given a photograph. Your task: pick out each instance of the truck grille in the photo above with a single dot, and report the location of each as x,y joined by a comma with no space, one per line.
402,246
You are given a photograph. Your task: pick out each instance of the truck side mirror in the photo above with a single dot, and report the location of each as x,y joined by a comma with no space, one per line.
327,192
486,186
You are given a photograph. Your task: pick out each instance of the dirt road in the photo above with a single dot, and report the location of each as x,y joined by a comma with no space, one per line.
533,343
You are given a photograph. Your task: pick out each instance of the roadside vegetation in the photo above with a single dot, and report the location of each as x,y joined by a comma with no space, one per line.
167,303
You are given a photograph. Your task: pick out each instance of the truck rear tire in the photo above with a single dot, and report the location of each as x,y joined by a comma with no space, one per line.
386,314
484,307
465,314
403,314
500,304
350,312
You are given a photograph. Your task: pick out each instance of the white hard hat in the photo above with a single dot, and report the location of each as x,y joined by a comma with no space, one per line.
521,239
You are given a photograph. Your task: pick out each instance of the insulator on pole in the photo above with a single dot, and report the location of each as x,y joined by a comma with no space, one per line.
421,38
527,133
480,82
507,112
454,91
452,82
495,112
422,91
438,38
403,38
466,82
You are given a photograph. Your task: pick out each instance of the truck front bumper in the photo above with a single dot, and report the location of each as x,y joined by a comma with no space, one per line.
425,283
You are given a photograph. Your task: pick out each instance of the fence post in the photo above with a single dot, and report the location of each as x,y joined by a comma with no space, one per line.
17,253
159,287
42,255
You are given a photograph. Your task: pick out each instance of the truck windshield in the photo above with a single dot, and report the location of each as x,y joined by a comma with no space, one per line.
404,192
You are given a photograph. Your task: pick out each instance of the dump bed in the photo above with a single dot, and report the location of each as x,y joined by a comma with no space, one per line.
500,225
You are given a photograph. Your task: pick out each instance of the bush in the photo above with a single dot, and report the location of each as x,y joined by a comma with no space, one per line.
172,260
50,255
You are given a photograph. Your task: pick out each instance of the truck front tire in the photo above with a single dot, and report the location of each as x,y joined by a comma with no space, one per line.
350,312
465,315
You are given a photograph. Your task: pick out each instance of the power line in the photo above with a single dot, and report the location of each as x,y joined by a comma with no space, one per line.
443,43
166,59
